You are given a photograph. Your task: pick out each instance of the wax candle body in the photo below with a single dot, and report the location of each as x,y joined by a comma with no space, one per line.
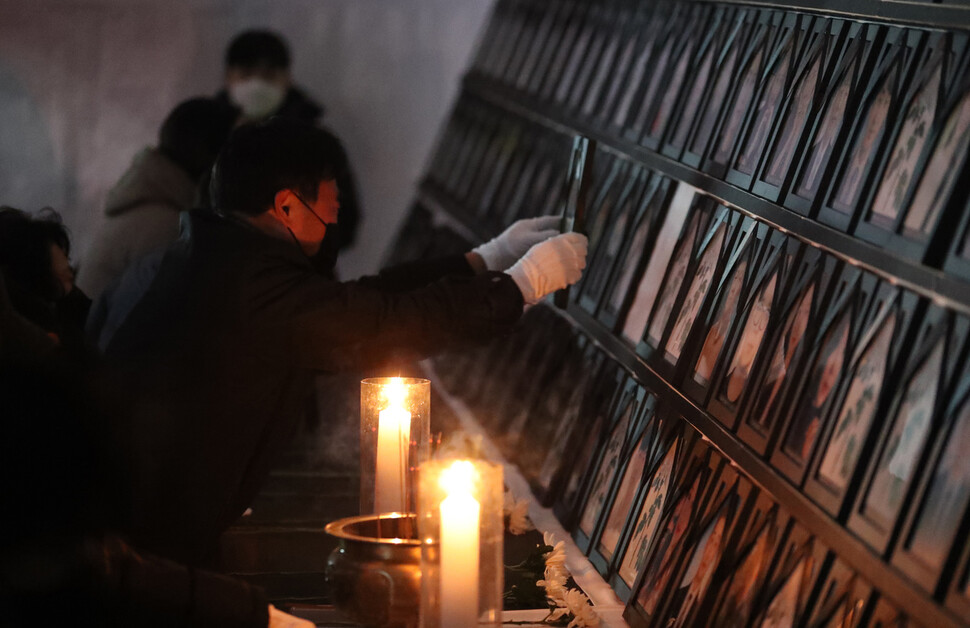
459,560
393,436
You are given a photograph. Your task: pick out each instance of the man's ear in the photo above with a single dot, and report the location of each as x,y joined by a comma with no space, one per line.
283,203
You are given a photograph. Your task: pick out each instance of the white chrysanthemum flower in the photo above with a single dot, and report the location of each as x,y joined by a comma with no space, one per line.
579,607
557,557
518,514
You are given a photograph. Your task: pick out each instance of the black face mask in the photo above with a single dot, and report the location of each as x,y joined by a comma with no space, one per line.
325,259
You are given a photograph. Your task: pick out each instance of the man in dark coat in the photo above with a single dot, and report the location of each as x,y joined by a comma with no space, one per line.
258,81
217,340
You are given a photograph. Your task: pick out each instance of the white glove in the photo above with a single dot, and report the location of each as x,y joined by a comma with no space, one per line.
279,619
501,252
549,266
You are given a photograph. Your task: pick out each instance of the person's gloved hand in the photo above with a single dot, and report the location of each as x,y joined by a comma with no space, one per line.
550,265
501,252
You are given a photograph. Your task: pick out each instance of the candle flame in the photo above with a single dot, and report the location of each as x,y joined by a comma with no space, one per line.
395,393
458,478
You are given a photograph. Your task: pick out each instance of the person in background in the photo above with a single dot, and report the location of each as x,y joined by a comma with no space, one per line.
38,278
258,81
222,337
142,208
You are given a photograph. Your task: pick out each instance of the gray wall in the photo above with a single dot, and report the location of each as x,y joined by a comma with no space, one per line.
85,84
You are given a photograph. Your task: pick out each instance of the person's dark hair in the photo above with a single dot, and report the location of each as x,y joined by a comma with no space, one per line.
194,132
25,254
257,48
261,159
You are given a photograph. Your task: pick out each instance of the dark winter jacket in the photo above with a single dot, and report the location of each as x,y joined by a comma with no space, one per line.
218,343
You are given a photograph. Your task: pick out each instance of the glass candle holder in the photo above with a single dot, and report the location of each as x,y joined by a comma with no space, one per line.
395,437
461,532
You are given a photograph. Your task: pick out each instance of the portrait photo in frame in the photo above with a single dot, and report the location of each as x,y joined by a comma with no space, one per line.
860,154
847,436
602,18
841,597
784,600
828,127
927,547
913,417
817,390
638,28
616,36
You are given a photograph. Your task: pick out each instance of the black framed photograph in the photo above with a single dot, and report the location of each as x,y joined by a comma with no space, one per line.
589,441
817,391
609,462
655,114
785,597
915,410
631,555
637,26
758,309
728,234
527,18
805,96
684,502
633,258
860,152
499,33
578,50
935,522
958,593
794,35
772,32
846,436
813,166
601,22
546,24
563,53
840,598
614,59
746,569
611,227
618,509
674,228
885,614
919,112
718,325
682,117
663,19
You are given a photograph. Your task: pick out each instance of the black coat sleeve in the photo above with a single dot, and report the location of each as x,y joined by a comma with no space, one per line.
413,275
302,319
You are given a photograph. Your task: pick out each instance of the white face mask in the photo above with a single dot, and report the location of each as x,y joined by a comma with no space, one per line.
257,98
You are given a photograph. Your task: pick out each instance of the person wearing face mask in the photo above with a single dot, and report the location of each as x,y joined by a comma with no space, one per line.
221,336
142,209
258,81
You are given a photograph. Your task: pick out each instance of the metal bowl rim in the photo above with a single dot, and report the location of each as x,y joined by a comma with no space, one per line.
336,529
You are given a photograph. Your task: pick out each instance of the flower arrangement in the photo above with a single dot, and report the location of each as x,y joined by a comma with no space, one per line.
516,514
568,605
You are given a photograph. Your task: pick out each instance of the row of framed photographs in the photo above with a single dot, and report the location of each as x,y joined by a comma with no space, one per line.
679,532
864,127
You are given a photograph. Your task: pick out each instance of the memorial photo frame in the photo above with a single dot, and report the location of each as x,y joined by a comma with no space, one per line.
796,34
588,442
683,503
760,307
600,22
547,27
936,516
716,533
822,374
746,568
611,230
840,599
823,44
619,508
912,419
556,71
674,228
958,593
876,109
814,163
625,425
655,115
601,56
846,436
726,62
632,259
672,447
919,112
719,322
579,51
506,35
613,60
785,599
771,33
705,54
637,25
524,21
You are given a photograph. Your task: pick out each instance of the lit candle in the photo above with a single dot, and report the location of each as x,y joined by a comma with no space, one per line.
393,439
459,547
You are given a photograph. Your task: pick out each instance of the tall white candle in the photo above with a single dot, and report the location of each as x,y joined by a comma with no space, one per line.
393,437
460,523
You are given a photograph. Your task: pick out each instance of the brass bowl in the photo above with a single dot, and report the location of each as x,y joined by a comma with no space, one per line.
375,573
